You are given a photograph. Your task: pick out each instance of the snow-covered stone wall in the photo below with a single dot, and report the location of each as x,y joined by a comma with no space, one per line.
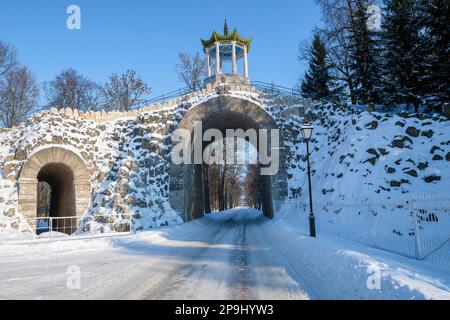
371,172
127,156
361,156
357,157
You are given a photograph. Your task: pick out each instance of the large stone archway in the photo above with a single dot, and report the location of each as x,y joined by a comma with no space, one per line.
186,191
68,176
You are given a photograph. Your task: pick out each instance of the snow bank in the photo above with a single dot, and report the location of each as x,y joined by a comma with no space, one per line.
335,268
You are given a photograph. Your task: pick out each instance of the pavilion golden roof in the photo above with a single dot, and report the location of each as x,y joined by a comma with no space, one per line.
227,37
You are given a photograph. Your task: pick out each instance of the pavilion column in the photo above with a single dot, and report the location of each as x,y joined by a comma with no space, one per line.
218,63
208,62
234,57
245,62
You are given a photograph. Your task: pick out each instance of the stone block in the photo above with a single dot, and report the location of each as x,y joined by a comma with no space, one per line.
69,112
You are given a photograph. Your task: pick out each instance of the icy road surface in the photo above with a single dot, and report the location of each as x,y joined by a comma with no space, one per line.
238,254
223,256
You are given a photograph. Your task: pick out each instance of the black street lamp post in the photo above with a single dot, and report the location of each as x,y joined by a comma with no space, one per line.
307,132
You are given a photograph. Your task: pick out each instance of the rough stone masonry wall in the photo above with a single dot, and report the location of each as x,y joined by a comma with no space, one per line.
126,159
127,156
369,170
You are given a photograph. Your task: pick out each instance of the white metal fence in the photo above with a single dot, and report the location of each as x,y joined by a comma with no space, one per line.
431,216
52,227
418,228
64,228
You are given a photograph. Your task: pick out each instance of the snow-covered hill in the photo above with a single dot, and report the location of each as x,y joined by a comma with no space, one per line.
370,172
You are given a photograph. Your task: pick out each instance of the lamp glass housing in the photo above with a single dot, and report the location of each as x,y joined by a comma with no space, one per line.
307,131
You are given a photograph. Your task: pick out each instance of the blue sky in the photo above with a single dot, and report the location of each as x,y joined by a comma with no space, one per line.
146,36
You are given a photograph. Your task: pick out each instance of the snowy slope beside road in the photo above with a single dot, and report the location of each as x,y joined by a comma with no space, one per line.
381,179
238,254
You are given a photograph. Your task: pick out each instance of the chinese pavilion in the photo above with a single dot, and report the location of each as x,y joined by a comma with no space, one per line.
229,47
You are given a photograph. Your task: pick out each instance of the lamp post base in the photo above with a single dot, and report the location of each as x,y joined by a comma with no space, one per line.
312,227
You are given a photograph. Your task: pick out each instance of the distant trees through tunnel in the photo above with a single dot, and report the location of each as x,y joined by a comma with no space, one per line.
198,186
233,182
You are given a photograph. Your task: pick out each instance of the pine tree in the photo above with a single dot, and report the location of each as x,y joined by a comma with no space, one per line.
363,52
402,61
436,51
315,84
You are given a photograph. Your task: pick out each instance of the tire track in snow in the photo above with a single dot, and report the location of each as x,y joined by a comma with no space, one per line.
241,280
274,274
178,283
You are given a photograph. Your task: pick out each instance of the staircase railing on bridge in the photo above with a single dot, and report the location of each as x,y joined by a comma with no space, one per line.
259,85
276,89
165,97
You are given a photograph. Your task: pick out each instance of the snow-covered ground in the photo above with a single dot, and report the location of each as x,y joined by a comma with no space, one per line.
238,254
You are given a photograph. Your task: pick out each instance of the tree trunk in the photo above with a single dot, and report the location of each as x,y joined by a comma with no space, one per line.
222,188
206,189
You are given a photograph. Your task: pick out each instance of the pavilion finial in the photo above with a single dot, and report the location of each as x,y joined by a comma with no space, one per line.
227,47
225,28
227,37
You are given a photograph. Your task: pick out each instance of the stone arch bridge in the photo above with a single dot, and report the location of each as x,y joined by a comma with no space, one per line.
110,170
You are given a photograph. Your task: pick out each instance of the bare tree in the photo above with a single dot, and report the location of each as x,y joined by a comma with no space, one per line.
125,91
339,17
8,58
18,95
72,90
305,52
251,183
231,183
93,97
191,70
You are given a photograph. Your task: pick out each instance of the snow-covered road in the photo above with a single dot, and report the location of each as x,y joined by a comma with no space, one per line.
229,259
238,254
224,256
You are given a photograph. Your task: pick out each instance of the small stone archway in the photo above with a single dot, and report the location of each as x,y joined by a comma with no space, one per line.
186,190
66,173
